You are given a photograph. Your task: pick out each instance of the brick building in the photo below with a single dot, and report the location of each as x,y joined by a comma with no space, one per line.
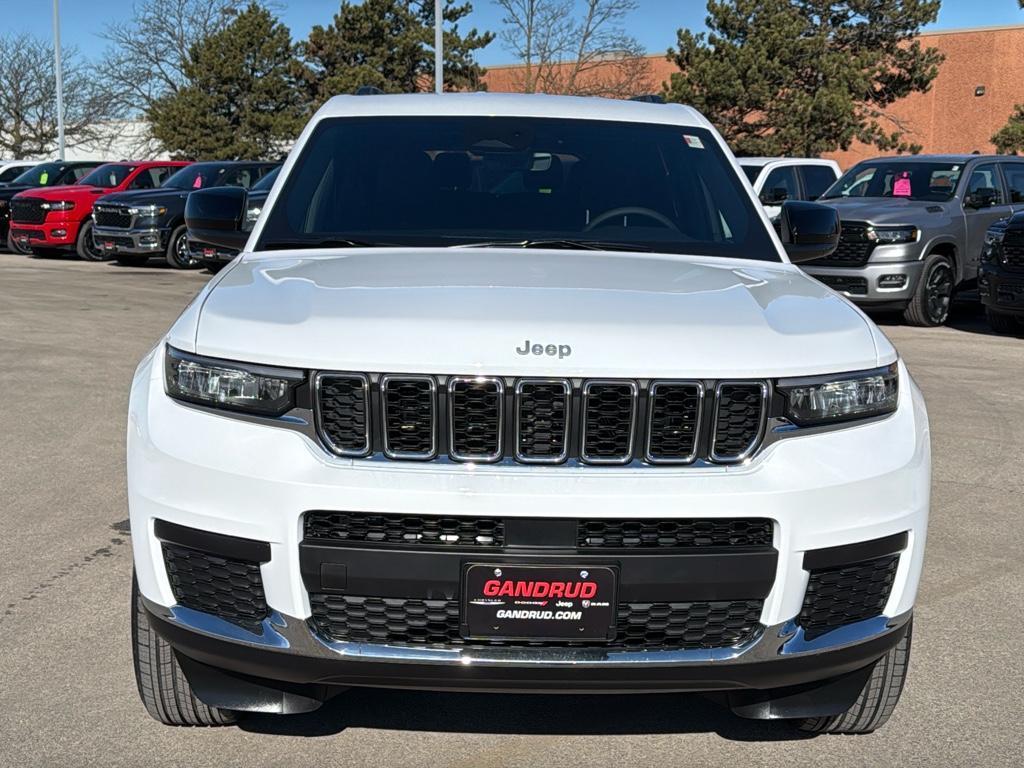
978,85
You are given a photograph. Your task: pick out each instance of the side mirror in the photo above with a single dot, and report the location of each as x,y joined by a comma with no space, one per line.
808,230
216,216
982,197
774,196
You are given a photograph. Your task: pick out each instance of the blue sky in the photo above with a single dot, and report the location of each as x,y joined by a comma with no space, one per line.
654,24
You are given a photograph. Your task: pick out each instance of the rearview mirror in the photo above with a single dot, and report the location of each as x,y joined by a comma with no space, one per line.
216,216
808,230
774,196
982,197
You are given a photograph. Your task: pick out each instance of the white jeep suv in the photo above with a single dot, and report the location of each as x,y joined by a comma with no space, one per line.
522,393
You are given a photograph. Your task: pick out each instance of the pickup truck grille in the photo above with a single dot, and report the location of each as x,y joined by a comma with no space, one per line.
1013,250
540,421
854,247
114,216
28,210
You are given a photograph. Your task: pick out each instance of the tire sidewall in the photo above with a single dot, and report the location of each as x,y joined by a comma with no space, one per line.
179,238
934,262
84,241
14,247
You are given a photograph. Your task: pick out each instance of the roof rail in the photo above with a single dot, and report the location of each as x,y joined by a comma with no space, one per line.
368,90
649,98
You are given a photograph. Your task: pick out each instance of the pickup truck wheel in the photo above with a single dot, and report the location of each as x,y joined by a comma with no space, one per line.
1001,322
930,304
163,688
877,699
13,247
86,247
177,250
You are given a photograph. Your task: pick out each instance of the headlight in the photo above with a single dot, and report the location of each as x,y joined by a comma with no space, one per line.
892,235
149,210
233,386
829,399
251,215
993,244
58,205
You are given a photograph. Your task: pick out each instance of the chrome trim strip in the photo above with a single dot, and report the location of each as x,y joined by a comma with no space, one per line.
348,452
387,379
295,637
453,381
652,391
751,449
567,394
634,396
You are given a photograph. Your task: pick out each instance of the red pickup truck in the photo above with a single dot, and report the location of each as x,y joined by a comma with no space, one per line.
60,218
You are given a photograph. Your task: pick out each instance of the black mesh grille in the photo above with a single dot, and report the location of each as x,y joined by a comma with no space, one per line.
637,534
609,409
118,218
855,286
675,416
413,530
343,413
650,626
542,420
843,595
1013,250
409,416
854,247
476,406
28,210
230,589
738,413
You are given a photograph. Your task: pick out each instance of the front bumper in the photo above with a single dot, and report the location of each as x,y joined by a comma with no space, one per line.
874,283
1001,289
251,481
130,241
55,234
206,252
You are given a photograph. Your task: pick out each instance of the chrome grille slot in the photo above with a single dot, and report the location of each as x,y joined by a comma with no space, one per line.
409,406
475,418
673,424
741,409
344,405
542,420
609,421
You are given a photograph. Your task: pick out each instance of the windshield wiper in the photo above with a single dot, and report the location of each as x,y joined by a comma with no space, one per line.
334,242
557,244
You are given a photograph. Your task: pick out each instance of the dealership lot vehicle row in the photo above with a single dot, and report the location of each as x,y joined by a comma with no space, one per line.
76,329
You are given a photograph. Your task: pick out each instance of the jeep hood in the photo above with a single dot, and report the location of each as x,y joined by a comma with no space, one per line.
888,210
468,310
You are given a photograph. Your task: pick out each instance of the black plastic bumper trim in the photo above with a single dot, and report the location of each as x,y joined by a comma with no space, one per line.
231,547
832,557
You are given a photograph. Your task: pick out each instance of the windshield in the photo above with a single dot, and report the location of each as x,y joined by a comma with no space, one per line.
752,172
108,176
267,181
909,179
429,181
40,176
196,176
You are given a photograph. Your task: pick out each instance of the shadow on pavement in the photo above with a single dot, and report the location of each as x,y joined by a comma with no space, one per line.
522,714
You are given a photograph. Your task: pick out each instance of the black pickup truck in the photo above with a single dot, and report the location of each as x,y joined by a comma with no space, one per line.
215,257
131,227
41,175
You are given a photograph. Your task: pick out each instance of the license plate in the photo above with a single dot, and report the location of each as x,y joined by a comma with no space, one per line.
536,602
108,245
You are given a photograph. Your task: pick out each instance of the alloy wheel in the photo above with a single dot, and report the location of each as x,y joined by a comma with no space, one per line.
939,293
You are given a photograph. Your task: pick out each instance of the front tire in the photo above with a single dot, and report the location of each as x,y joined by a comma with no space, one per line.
85,246
929,306
177,250
1001,322
877,699
163,688
14,247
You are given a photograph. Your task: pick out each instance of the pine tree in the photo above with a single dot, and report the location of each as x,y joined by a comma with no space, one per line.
242,100
803,77
389,44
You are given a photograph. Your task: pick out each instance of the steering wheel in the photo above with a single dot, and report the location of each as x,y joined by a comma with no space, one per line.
632,211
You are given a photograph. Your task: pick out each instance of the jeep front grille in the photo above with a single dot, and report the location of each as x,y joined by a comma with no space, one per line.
614,422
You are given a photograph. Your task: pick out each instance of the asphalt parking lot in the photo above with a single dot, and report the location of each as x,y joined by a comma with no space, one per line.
70,336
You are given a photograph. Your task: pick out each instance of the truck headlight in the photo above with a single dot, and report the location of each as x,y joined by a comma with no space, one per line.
258,389
842,397
58,205
251,217
992,247
892,235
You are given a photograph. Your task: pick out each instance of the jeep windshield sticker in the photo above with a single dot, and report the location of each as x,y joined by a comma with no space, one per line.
902,186
693,142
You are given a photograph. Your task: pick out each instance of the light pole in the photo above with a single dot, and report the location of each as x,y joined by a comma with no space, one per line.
60,78
438,46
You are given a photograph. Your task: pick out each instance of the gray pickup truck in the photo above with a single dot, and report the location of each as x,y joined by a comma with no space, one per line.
913,229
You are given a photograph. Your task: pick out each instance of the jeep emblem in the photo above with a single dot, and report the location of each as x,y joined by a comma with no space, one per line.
551,350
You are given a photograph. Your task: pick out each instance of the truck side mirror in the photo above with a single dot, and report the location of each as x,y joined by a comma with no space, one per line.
216,216
982,197
808,230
